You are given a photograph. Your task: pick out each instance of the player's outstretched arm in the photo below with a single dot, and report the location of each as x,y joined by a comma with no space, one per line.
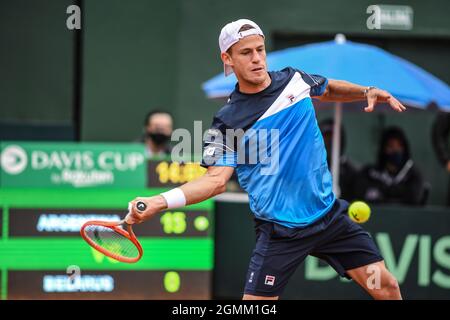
212,183
343,91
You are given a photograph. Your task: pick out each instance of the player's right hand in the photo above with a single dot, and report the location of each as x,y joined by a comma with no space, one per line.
154,205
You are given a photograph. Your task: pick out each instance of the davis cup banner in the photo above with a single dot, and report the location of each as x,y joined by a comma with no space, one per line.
72,165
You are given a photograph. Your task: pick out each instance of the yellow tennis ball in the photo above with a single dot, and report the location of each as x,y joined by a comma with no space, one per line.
359,212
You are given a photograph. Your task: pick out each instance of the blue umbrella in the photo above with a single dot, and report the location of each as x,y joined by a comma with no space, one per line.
355,62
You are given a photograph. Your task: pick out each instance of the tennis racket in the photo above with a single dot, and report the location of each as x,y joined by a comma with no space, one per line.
114,239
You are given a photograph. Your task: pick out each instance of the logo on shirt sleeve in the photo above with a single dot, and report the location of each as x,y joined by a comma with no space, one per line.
213,132
209,151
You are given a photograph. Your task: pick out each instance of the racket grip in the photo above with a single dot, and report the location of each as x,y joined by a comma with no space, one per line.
141,206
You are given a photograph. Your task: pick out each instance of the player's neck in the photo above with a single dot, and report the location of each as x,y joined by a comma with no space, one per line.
251,88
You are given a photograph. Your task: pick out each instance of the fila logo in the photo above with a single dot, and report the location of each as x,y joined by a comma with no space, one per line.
270,280
291,97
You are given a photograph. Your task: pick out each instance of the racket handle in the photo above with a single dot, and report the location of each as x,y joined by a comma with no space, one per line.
141,206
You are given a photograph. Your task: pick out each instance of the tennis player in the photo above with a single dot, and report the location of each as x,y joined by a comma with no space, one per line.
296,211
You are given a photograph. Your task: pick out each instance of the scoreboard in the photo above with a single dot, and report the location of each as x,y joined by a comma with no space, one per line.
42,255
48,190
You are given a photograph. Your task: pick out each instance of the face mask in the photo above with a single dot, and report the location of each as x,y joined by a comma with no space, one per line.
158,138
395,158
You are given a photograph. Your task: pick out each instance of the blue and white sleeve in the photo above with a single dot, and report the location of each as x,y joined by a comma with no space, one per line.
317,83
219,146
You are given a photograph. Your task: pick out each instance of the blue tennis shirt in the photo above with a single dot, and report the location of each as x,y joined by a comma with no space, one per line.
273,141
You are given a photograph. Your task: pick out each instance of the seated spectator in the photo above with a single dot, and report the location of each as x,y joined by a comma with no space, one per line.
347,171
158,127
394,178
441,143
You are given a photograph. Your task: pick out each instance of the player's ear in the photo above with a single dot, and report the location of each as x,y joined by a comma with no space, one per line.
226,58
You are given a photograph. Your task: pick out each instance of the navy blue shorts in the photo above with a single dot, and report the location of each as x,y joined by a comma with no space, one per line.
279,250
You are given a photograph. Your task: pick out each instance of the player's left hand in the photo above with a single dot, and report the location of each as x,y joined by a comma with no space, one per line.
375,96
154,205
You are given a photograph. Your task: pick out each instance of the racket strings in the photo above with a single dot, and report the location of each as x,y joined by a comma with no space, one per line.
111,241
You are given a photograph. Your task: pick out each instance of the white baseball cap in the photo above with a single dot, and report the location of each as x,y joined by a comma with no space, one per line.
230,35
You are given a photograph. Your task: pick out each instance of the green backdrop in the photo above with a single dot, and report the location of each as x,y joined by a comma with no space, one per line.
156,54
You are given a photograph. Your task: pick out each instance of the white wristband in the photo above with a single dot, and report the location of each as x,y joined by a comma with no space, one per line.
175,198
